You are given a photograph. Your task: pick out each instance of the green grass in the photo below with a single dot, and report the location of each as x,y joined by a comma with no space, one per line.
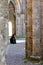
41,63
25,60
20,36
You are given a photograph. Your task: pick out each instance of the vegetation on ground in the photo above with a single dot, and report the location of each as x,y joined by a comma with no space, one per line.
20,36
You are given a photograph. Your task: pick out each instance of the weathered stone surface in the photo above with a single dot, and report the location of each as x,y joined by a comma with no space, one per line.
41,24
3,30
34,27
28,27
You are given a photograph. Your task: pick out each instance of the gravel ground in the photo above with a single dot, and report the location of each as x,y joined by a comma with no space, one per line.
15,55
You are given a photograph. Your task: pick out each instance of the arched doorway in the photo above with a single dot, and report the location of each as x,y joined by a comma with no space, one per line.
12,17
16,16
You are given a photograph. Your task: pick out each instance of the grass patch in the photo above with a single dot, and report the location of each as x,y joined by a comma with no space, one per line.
25,60
20,36
41,63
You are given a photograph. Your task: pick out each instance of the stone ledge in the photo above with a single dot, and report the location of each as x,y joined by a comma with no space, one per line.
35,57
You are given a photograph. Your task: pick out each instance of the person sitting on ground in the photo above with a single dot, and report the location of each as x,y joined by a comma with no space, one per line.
13,39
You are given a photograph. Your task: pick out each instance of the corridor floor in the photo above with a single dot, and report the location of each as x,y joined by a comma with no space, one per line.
15,55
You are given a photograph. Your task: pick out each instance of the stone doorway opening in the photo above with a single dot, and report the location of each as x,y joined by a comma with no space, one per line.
17,23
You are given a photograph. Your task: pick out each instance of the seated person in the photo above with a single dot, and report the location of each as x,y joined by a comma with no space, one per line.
13,39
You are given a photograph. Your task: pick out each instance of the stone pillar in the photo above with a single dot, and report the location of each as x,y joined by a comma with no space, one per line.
28,24
36,27
41,26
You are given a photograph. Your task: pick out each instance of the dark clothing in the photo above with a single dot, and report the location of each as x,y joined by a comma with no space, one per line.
12,40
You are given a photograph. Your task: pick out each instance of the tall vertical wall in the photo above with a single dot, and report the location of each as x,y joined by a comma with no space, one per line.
34,28
3,30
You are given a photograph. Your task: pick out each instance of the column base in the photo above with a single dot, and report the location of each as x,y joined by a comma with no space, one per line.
35,58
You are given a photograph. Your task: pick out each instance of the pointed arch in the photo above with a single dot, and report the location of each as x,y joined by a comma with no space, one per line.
15,3
11,5
12,17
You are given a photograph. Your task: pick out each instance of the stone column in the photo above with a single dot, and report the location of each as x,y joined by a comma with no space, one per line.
28,24
41,26
36,27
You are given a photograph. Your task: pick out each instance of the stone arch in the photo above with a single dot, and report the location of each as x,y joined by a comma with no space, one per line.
12,16
11,3
13,6
15,3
